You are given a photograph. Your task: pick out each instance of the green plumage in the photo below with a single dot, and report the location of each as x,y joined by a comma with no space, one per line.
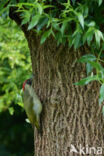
32,106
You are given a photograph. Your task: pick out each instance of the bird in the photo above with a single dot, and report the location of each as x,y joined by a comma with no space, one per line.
32,104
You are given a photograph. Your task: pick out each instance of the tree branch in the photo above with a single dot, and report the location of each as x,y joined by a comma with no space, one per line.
14,15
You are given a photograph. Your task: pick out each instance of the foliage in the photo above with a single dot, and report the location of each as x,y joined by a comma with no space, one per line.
15,64
15,67
93,64
68,21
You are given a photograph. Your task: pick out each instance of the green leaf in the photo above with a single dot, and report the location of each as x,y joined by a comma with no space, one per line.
45,35
92,24
55,26
40,9
24,21
3,3
63,27
89,68
21,104
48,6
70,39
98,37
87,58
58,37
34,21
87,80
85,10
96,65
73,1
25,16
101,97
76,40
100,2
88,36
42,22
81,19
11,110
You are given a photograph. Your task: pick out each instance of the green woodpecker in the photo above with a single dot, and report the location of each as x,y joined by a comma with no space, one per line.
32,104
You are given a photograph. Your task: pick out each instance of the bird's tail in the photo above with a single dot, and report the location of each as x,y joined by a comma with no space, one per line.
38,125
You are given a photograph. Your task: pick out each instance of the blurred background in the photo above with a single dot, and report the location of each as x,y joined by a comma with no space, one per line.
16,135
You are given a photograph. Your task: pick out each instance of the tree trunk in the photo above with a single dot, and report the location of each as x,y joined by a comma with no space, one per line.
71,114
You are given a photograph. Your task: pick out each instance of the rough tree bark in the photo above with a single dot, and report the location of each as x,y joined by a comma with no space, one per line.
71,114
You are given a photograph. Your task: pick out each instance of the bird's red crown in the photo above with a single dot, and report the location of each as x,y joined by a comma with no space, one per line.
23,86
